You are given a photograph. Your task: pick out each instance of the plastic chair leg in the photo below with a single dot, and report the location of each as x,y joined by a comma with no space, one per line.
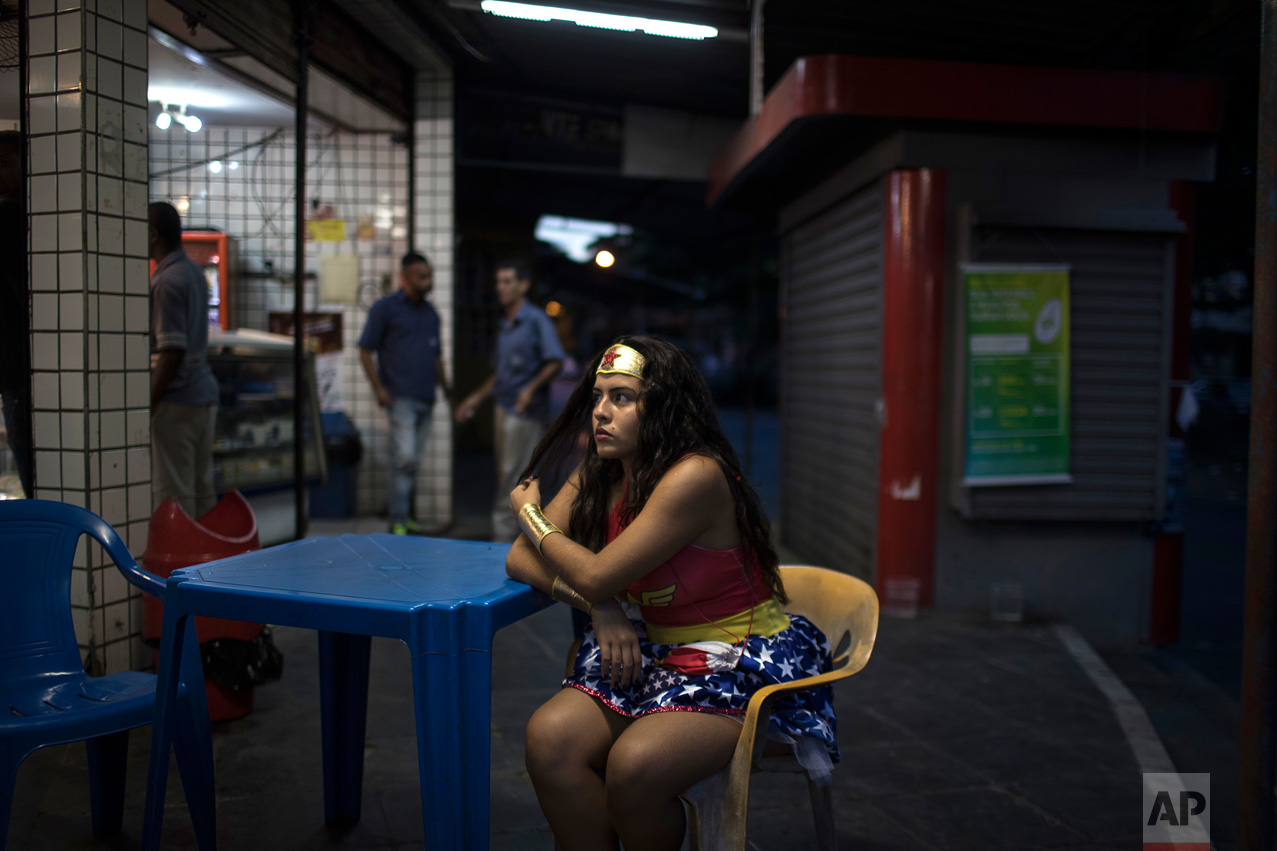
343,701
692,834
714,830
9,762
822,811
108,763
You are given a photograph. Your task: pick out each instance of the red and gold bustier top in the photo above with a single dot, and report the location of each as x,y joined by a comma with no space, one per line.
702,595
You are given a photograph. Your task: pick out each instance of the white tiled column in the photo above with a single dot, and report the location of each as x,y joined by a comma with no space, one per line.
86,182
434,236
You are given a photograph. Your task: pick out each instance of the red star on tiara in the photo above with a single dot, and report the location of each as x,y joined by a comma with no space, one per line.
610,358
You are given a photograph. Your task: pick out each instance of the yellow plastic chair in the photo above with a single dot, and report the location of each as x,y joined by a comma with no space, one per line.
846,611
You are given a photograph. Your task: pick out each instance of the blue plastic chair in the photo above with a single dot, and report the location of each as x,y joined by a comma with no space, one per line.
46,698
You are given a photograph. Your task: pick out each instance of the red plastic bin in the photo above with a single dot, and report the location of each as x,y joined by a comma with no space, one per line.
175,540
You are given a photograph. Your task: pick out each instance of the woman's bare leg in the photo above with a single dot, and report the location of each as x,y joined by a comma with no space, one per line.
654,759
567,746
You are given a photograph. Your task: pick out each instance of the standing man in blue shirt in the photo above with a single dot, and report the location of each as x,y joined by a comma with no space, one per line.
183,389
402,331
527,358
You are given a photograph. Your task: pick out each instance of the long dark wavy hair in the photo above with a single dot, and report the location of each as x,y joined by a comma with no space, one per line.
676,418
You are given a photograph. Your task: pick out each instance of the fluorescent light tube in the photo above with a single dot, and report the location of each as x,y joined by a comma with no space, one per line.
626,23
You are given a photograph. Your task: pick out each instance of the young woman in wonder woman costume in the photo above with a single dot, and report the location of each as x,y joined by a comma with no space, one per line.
657,517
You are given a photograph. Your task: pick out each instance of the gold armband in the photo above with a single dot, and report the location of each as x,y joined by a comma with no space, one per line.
534,524
563,592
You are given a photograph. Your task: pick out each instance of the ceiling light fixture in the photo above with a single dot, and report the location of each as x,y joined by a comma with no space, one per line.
173,112
625,23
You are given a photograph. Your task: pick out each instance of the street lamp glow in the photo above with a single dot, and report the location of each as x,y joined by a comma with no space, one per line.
605,258
625,23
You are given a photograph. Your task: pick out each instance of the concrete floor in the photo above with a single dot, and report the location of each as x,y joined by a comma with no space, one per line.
958,735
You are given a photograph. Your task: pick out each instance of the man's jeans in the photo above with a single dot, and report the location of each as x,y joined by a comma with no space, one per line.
409,429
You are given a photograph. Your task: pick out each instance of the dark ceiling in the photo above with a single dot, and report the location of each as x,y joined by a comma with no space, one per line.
609,69
712,76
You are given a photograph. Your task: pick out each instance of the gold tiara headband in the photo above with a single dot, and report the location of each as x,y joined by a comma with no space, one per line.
622,359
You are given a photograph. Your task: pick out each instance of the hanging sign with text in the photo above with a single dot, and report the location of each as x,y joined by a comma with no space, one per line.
326,230
1017,376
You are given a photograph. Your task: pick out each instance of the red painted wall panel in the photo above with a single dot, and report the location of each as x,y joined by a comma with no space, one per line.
882,87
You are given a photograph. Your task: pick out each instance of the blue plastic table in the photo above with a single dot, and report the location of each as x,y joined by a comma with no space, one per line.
443,598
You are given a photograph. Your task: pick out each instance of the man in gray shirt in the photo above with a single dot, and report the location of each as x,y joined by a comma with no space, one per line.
527,357
183,389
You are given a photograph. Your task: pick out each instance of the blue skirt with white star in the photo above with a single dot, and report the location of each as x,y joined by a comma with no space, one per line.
800,651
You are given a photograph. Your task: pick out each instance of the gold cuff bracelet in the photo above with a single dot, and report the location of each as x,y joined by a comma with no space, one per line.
535,526
563,592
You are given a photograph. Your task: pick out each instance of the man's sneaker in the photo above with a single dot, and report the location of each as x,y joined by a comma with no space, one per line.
399,529
413,527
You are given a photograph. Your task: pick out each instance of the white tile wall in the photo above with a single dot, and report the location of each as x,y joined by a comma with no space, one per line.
435,235
44,312
72,397
86,59
112,429
45,392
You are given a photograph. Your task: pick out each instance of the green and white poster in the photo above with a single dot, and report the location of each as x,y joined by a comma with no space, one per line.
1017,381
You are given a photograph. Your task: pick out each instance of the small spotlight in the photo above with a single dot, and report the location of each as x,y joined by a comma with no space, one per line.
163,121
604,258
183,204
553,308
193,124
215,166
233,164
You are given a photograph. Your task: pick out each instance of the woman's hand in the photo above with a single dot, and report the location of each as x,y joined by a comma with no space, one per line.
525,492
620,659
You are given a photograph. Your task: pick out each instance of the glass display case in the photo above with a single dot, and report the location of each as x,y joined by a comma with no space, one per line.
253,443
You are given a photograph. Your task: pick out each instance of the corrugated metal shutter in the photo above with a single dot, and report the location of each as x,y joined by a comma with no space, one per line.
831,343
1120,290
